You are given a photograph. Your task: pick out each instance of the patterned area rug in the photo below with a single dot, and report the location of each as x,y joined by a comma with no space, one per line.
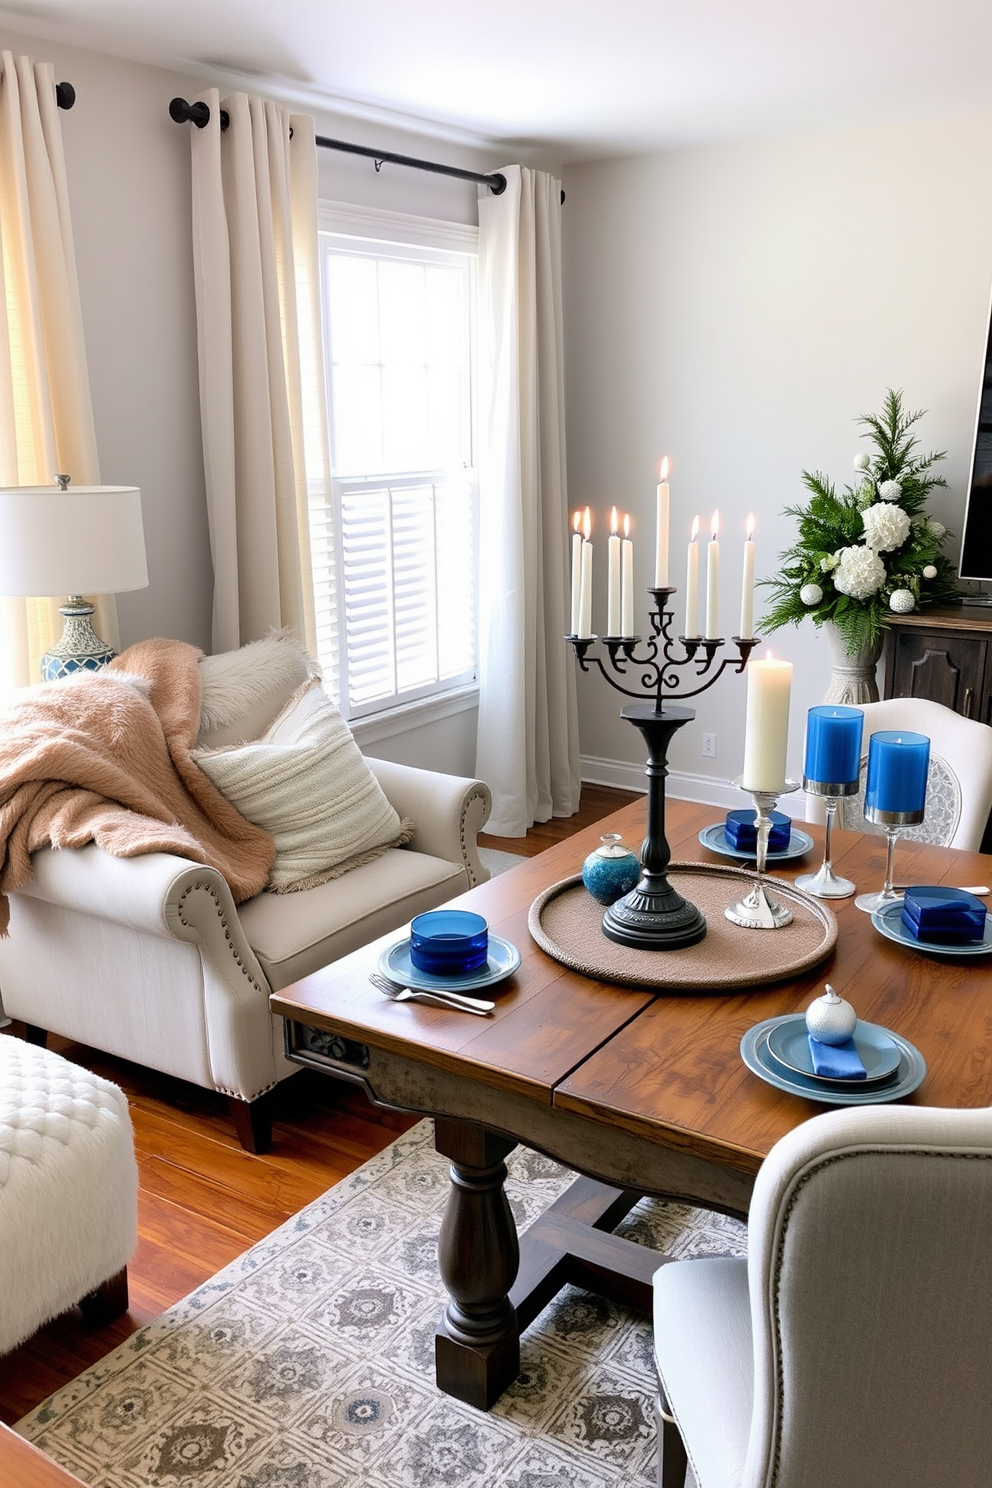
308,1362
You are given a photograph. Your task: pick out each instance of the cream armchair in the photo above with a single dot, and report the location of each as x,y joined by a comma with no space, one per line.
149,959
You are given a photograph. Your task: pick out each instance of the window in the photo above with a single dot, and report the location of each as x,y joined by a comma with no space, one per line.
394,545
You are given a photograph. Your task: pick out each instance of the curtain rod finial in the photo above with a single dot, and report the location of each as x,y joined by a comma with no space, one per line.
65,95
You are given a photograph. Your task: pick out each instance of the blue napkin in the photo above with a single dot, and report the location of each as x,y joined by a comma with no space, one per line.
837,1061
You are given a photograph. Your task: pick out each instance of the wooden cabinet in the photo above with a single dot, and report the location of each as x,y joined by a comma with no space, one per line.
945,655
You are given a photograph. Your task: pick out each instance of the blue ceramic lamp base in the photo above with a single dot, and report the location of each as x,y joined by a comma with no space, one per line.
79,648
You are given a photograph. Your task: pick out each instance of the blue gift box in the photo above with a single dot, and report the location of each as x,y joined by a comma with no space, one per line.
943,916
741,832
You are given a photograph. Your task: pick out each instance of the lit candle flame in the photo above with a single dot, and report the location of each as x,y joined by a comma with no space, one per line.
750,527
695,528
715,525
576,521
587,525
626,525
663,473
613,521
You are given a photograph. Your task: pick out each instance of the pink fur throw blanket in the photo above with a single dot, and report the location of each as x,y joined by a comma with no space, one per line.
106,758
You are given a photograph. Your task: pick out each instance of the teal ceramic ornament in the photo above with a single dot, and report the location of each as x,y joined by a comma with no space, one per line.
611,870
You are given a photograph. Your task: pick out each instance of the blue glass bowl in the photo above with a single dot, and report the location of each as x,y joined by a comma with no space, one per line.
449,942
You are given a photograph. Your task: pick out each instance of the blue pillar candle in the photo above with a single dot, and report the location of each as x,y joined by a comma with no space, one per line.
897,772
833,744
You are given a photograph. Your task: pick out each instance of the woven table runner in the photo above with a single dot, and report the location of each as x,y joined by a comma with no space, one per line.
566,922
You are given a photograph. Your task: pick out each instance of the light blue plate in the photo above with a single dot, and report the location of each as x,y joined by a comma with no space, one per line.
395,963
788,1043
888,920
760,1061
715,838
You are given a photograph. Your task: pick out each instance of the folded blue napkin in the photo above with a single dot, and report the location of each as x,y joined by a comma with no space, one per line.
943,916
837,1061
741,831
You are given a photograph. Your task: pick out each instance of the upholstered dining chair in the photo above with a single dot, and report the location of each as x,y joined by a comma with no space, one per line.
959,785
854,1344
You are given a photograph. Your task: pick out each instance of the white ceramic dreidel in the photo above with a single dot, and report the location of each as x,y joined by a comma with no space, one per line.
829,1019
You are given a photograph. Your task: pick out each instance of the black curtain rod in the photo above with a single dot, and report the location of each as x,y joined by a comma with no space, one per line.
65,95
199,114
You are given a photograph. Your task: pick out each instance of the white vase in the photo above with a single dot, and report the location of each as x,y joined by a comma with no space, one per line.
852,679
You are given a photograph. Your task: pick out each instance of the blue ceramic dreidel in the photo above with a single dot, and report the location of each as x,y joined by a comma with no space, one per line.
611,870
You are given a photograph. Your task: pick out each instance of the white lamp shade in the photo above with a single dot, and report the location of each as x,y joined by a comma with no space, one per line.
86,540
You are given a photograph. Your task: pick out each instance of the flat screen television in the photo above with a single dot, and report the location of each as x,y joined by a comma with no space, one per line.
976,539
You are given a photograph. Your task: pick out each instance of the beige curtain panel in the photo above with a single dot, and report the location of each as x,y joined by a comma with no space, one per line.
528,749
261,378
46,416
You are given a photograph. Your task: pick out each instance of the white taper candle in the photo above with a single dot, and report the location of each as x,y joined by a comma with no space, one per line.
613,579
585,585
746,631
627,581
576,573
661,543
713,581
692,583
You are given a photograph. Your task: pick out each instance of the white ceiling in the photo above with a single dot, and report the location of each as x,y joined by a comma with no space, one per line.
576,78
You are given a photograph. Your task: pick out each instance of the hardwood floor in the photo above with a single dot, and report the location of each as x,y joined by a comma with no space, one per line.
202,1199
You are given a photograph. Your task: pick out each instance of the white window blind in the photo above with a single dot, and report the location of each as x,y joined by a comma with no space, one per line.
394,547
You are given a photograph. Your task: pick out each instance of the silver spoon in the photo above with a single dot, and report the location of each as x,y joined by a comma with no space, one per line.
435,998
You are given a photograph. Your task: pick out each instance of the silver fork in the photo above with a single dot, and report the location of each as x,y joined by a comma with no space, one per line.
435,998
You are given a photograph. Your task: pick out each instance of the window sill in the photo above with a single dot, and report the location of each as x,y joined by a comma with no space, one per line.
386,725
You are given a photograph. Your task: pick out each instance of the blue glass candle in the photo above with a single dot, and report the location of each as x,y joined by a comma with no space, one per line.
897,772
833,744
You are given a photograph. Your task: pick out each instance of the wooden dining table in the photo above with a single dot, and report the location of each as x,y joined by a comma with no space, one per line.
640,1090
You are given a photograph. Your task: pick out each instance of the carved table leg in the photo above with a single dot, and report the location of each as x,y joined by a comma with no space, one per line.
477,1348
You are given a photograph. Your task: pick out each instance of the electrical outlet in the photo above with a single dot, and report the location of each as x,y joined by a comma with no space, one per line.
709,746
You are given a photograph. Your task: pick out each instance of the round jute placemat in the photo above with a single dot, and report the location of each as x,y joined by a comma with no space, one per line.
566,921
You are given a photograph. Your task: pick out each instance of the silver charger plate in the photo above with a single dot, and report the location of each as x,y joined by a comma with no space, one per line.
715,838
788,1043
503,961
888,920
761,1062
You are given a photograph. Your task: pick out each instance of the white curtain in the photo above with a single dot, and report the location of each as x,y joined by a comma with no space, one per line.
46,416
528,749
261,368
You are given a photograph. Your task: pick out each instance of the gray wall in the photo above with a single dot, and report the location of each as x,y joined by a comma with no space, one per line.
738,308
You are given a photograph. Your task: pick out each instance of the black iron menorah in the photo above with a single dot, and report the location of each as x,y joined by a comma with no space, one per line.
654,915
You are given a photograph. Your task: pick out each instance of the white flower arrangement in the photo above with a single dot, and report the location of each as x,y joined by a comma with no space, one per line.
870,551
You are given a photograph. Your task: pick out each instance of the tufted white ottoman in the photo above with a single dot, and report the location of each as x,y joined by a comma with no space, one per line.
68,1191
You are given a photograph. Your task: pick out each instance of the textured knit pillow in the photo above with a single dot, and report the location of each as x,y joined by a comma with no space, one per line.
306,783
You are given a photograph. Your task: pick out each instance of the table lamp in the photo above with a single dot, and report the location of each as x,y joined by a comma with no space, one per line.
54,541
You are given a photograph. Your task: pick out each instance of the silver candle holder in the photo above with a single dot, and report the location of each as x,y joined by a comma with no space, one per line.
825,883
758,910
893,822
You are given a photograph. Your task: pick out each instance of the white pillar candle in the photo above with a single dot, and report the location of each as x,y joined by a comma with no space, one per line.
627,581
585,581
613,579
766,724
746,631
713,581
661,547
692,583
576,572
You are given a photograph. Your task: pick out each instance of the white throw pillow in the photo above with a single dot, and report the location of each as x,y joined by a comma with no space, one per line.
305,781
